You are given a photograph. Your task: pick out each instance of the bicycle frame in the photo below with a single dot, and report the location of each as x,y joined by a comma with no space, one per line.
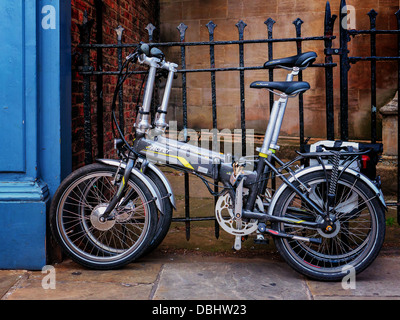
155,147
204,162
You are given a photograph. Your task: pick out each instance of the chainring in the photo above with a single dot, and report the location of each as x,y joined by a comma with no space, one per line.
226,218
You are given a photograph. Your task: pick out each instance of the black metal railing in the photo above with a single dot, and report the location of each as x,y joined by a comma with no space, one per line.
345,64
325,41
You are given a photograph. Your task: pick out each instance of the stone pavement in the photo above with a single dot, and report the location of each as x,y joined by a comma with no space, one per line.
190,276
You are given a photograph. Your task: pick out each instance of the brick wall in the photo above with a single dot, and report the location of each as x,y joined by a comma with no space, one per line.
133,16
226,13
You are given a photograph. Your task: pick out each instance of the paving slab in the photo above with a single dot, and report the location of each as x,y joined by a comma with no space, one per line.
134,273
194,276
9,278
230,280
33,290
74,282
379,281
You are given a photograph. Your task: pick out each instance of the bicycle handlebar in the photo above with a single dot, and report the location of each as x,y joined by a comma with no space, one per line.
144,49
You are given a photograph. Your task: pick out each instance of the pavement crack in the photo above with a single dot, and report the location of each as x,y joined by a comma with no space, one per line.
156,283
308,290
16,285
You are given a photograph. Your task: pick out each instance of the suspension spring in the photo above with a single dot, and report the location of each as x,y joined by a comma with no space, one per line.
334,177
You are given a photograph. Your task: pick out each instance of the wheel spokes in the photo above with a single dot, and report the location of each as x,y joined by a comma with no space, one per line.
83,230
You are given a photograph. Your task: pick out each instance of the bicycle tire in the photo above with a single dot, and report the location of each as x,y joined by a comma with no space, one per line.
360,235
76,207
164,218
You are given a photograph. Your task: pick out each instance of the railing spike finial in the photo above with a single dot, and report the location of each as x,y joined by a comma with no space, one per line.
85,28
397,14
298,22
119,30
372,17
328,13
211,26
372,13
182,30
241,25
269,23
329,19
150,29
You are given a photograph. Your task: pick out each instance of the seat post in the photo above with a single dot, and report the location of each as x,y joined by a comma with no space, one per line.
281,114
295,72
272,123
276,119
277,129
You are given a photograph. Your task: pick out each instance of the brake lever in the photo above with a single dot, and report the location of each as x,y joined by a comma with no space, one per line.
132,56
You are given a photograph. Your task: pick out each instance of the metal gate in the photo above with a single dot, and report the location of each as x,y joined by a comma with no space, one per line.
325,39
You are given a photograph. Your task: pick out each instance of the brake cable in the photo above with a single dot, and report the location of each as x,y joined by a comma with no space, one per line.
121,79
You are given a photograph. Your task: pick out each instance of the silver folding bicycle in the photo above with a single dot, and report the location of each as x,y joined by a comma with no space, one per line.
328,215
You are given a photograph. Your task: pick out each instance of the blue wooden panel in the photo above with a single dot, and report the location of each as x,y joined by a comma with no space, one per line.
35,147
12,86
23,235
54,42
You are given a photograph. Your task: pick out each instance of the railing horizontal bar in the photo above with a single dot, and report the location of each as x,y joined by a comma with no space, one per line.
97,73
205,43
193,219
374,58
373,31
393,204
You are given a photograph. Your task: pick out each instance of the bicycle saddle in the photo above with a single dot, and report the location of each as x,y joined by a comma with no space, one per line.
301,61
287,87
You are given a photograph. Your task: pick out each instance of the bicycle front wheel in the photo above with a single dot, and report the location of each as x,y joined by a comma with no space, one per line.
75,218
355,239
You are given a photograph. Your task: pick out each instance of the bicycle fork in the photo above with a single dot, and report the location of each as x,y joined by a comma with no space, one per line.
118,196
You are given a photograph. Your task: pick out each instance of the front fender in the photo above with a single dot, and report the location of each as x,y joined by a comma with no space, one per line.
165,181
149,184
307,170
151,166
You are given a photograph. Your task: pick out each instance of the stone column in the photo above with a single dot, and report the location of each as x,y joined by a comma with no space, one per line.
389,128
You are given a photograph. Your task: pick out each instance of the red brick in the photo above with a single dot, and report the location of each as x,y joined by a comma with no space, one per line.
133,16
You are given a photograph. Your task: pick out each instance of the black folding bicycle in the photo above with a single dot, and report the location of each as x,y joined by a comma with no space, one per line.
326,216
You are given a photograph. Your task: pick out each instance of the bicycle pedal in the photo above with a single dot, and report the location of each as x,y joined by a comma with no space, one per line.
261,241
238,243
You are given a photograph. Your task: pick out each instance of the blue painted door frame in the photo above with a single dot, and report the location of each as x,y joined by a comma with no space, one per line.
35,123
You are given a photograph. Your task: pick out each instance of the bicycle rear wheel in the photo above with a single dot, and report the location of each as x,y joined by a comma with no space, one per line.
355,239
77,206
164,218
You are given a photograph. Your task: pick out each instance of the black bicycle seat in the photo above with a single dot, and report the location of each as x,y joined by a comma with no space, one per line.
288,87
301,61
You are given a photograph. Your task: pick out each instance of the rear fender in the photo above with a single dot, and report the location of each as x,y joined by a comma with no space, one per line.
308,170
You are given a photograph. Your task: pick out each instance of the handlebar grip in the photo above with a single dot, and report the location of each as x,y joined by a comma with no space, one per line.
157,53
144,48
